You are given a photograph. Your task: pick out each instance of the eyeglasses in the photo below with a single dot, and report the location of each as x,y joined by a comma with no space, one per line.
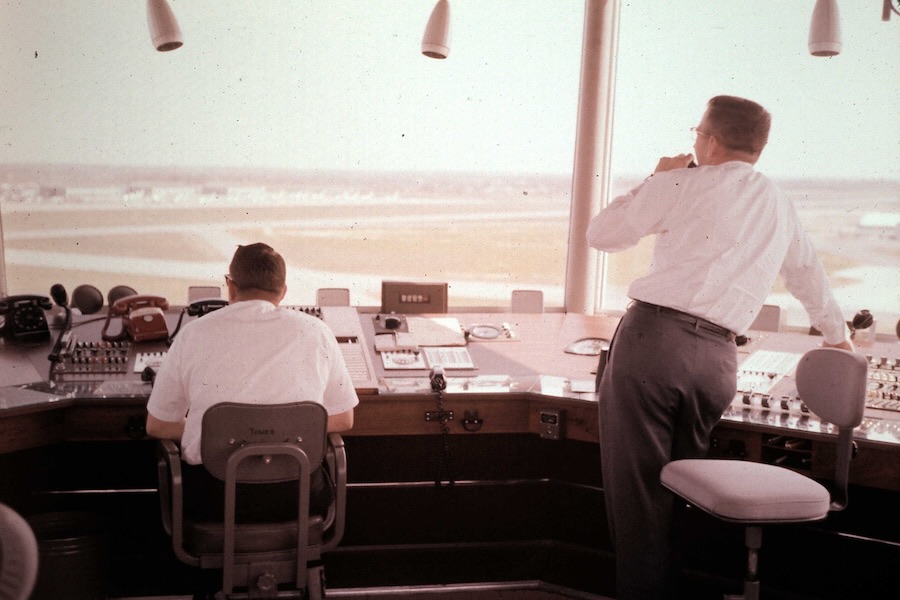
695,132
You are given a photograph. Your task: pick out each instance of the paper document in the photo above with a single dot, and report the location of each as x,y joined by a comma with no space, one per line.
436,331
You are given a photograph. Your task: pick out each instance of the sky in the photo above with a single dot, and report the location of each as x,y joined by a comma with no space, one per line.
341,84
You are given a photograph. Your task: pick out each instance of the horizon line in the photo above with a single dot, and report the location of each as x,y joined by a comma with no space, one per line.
230,170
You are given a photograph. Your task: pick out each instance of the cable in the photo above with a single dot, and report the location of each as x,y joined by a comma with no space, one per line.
59,295
444,458
57,347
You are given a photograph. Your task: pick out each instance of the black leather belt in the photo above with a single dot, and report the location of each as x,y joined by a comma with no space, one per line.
689,318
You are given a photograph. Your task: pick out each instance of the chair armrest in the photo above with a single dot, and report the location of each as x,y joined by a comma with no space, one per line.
168,467
334,446
336,458
171,496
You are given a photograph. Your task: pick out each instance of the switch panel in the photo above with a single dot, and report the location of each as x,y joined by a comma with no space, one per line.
553,424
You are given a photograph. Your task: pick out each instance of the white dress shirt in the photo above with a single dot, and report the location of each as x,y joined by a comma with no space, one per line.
254,352
723,234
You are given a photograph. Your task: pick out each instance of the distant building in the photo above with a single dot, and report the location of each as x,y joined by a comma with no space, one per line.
214,190
52,191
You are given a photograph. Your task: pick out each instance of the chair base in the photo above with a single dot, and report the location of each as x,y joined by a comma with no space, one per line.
751,592
753,542
315,589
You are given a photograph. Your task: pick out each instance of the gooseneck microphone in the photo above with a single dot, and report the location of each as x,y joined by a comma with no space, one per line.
61,297
59,294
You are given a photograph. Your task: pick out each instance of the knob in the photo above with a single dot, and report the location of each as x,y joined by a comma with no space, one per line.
266,582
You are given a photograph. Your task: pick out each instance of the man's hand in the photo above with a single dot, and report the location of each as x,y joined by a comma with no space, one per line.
667,163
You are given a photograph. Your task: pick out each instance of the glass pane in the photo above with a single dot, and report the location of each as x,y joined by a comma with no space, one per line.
833,146
315,126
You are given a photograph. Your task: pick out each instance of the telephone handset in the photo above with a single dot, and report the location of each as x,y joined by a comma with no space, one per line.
142,318
198,308
24,321
202,307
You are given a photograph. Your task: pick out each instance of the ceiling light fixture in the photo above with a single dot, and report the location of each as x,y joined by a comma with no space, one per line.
887,9
164,31
436,41
825,29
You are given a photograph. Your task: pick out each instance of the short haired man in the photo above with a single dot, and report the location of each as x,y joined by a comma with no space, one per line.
250,351
723,234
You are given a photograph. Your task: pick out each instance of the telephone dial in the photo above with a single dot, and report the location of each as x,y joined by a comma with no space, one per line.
142,318
24,321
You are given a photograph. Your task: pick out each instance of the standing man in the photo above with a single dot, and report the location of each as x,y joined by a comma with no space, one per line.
723,233
255,352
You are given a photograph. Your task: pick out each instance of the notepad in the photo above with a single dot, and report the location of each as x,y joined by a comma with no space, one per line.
436,331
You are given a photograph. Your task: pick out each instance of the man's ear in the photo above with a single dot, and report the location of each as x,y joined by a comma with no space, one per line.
713,150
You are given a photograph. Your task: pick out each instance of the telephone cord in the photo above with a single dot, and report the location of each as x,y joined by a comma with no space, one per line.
444,460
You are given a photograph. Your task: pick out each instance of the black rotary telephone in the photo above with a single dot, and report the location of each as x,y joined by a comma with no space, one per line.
24,321
198,309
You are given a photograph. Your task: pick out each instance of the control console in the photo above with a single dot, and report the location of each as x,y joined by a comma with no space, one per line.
883,388
81,360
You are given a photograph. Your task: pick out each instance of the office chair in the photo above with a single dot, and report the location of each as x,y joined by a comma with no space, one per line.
527,301
18,556
246,444
832,383
332,297
768,319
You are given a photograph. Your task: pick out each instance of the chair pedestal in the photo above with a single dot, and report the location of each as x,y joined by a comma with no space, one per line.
753,542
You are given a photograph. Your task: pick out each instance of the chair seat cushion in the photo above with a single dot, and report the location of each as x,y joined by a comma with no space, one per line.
743,491
209,538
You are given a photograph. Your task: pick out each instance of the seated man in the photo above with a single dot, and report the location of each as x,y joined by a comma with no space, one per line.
249,351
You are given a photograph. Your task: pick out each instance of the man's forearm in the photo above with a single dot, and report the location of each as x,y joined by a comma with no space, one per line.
340,422
164,430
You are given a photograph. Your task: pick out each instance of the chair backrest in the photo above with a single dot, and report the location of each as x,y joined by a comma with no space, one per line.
333,297
229,426
768,319
527,301
832,383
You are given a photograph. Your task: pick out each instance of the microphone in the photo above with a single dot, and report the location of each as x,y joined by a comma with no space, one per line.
61,297
59,294
438,381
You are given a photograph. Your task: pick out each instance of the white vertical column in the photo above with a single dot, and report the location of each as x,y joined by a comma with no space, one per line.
590,173
2,258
